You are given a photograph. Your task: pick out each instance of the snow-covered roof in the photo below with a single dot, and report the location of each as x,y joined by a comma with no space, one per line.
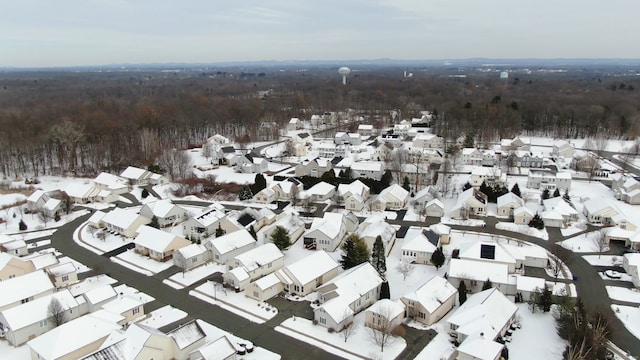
161,208
551,215
479,271
312,266
440,229
75,334
434,202
388,308
257,257
486,312
486,250
110,180
433,293
394,191
367,166
121,218
36,310
209,216
321,188
267,281
96,217
486,171
187,334
528,283
14,244
330,224
239,273
133,172
481,348
415,240
510,198
523,210
36,195
349,287
81,190
23,287
62,269
221,348
154,239
52,204
231,241
192,250
356,187
121,304
100,294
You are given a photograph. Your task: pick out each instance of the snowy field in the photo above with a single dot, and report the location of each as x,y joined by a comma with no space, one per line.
183,279
584,243
624,294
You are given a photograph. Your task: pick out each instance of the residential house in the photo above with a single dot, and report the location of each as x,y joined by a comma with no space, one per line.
255,165
111,183
299,144
124,222
204,225
434,208
327,233
247,218
14,247
25,288
157,244
522,216
347,138
315,167
52,208
491,176
383,152
507,204
419,245
307,274
167,213
264,288
321,191
470,202
479,348
384,314
472,156
626,189
288,189
431,301
355,203
375,226
630,264
191,256
486,316
136,176
422,197
36,200
346,295
356,187
63,274
294,124
476,272
290,222
72,340
366,130
428,141
266,196
563,148
128,307
516,143
394,197
443,231
12,266
98,296
547,180
600,211
32,319
252,265
490,158
368,169
526,159
81,193
401,129
95,220
560,206
227,246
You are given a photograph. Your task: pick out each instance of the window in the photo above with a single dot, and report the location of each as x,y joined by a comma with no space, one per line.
323,321
65,277
43,323
255,294
194,260
136,310
25,300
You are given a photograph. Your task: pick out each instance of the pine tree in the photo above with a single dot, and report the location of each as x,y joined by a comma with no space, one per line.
22,225
252,231
516,190
385,293
536,222
405,184
378,259
219,231
468,141
280,238
466,186
462,292
437,258
556,193
545,194
566,197
487,285
154,222
259,183
145,193
355,252
546,300
245,194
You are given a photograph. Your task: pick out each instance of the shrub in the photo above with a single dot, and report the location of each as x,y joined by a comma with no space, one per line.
331,330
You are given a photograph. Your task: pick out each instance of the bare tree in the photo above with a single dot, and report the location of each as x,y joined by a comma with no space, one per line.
382,328
600,241
175,162
350,327
601,145
556,266
404,267
56,312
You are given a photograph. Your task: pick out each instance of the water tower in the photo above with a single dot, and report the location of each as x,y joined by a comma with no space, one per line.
344,71
504,76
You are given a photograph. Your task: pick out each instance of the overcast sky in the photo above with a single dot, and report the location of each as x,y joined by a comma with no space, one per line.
93,32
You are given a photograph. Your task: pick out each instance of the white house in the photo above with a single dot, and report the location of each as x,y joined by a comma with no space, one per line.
368,169
127,307
72,340
307,274
375,226
29,320
394,197
315,167
190,256
431,301
266,196
255,165
256,263
346,295
98,296
547,180
470,202
384,314
167,213
422,197
124,222
136,176
63,274
356,187
111,183
321,191
419,245
25,288
489,175
434,208
365,130
157,244
264,288
327,233
204,225
507,204
563,148
290,222
475,272
428,141
227,246
630,264
522,216
81,193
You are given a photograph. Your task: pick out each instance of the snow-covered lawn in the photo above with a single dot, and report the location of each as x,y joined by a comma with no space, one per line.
236,303
163,316
630,317
359,345
184,279
624,294
573,229
623,277
541,327
84,238
438,348
523,229
142,264
467,222
603,260
213,333
583,243
14,353
10,199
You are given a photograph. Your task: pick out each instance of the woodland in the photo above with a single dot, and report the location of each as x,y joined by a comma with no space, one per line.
82,122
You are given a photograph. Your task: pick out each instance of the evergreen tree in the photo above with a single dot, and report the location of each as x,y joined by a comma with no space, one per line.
219,231
154,222
259,183
385,181
468,141
462,292
154,168
487,285
145,193
437,258
556,193
516,190
355,252
22,225
56,217
280,238
545,194
378,259
546,300
252,231
566,197
466,186
536,222
405,184
245,194
385,293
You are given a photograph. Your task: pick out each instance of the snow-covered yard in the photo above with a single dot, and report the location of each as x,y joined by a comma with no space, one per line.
523,229
142,264
236,303
630,317
183,279
603,260
584,243
624,294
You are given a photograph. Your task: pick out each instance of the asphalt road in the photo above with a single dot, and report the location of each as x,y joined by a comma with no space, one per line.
261,335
